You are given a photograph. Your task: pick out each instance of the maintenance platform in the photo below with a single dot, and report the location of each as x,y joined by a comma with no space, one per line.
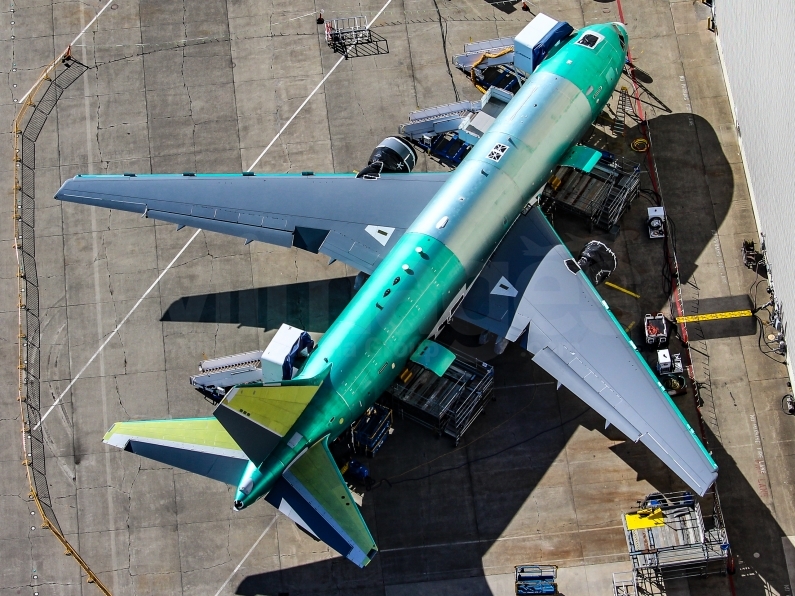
536,480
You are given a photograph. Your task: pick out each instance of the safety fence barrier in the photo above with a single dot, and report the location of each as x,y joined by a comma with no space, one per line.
33,113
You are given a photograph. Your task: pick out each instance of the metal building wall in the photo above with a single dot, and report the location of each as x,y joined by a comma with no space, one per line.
755,40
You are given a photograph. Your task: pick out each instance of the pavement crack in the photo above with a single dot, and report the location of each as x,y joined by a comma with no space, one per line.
185,84
118,394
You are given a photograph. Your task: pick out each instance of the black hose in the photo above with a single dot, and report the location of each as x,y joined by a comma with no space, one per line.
443,30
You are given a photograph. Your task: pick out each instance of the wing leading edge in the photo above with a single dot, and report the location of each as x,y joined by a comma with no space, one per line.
354,220
533,291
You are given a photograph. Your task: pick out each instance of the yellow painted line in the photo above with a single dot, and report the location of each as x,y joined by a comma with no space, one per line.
629,327
734,314
620,289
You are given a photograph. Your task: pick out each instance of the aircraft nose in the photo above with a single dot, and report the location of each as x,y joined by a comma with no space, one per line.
238,505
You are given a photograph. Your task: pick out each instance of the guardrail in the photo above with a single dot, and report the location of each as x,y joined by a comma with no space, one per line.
33,113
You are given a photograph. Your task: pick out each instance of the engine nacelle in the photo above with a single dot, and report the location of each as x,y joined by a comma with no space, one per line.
597,261
393,155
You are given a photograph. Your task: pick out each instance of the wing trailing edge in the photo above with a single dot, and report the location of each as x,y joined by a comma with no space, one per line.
557,314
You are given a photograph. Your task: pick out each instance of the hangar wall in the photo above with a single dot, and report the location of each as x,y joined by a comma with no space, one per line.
757,54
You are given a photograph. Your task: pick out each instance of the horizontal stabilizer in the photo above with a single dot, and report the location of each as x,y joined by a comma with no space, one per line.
259,416
198,445
314,495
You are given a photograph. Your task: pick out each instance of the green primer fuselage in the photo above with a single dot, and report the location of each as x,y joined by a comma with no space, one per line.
418,284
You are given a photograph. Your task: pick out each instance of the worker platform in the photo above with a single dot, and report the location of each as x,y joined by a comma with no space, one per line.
600,196
669,537
353,38
447,404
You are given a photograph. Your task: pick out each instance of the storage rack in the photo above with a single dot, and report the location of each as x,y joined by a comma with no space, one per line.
448,404
601,196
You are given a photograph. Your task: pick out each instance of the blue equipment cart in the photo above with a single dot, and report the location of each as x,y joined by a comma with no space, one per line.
536,579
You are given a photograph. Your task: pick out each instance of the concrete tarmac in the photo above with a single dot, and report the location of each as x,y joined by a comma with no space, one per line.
204,86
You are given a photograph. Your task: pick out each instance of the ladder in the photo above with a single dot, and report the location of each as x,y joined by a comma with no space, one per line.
619,124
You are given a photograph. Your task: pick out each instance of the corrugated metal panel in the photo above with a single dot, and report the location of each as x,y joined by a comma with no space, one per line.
757,42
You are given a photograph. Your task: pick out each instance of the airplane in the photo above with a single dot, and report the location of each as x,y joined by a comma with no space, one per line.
471,243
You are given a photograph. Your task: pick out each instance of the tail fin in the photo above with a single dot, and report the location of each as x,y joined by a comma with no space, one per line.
313,494
257,417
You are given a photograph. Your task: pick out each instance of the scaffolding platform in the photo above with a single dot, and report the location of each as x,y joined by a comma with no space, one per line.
601,197
353,38
669,537
448,404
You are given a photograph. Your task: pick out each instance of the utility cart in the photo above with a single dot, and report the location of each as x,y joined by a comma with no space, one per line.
371,430
536,579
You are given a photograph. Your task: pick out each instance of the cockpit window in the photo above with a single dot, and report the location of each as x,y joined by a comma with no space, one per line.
621,39
590,40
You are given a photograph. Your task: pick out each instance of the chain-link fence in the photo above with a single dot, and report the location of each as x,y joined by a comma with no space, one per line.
33,114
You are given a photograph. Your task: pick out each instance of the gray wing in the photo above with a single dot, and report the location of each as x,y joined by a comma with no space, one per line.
532,290
354,220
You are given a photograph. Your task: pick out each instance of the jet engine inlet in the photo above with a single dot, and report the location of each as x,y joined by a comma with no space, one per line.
393,155
597,261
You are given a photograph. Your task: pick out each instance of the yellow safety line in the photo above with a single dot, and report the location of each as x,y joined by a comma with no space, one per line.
620,289
734,314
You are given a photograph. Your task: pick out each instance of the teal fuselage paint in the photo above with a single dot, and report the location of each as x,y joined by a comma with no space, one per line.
415,288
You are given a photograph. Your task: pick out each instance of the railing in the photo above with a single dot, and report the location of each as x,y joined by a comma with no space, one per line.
33,113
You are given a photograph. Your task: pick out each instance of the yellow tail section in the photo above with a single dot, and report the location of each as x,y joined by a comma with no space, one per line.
257,416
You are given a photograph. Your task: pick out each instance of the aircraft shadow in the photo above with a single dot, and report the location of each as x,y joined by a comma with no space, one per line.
308,305
436,511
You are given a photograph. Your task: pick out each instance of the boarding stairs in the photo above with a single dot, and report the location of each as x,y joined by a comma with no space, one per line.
449,131
439,119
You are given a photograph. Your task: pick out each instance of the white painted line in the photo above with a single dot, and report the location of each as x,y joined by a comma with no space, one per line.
301,107
301,17
253,546
79,35
196,233
315,90
124,320
788,543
